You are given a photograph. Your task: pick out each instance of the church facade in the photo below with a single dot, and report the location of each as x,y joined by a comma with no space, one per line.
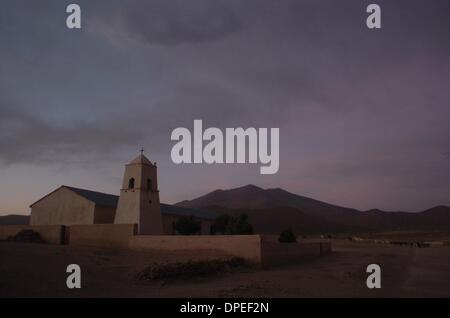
138,203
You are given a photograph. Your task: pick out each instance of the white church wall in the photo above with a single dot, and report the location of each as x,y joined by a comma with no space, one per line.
104,214
62,207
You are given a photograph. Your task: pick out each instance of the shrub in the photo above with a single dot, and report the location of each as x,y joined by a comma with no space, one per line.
239,225
188,226
220,224
232,225
191,268
27,236
287,236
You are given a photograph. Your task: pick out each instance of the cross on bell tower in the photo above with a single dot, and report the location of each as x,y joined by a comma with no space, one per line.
139,197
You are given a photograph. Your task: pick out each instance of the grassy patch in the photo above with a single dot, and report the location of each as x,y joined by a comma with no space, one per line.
189,269
27,236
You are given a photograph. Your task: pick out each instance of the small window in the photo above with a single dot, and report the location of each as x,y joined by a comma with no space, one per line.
149,184
131,183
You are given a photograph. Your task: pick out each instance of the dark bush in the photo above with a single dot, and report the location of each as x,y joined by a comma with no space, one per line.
239,225
220,224
190,269
232,225
27,236
188,226
287,236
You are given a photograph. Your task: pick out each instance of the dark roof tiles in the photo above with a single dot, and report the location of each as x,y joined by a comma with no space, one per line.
110,200
98,198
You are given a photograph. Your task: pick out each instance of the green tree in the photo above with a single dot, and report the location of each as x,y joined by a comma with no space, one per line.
188,225
287,236
232,225
220,224
239,225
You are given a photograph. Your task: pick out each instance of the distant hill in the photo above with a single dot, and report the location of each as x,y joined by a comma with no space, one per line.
271,210
14,219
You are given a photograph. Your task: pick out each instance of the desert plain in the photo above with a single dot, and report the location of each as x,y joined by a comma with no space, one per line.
39,270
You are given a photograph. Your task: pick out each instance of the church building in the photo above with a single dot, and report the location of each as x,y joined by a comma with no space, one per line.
138,203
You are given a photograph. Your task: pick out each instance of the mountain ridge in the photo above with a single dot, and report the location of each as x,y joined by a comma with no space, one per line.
14,219
267,206
272,210
197,202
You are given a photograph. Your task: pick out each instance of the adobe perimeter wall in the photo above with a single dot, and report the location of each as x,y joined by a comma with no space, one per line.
102,235
124,236
52,234
260,250
275,253
245,246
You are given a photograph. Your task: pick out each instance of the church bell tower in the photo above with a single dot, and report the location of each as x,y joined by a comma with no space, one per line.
139,197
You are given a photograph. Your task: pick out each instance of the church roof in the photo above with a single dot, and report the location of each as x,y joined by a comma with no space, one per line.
98,198
141,159
110,200
181,211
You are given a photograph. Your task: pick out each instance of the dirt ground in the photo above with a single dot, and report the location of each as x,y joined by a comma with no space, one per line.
36,270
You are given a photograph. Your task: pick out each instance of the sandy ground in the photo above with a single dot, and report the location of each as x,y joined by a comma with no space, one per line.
35,270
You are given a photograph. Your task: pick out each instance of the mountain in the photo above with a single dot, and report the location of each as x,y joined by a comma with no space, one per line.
253,197
14,219
271,210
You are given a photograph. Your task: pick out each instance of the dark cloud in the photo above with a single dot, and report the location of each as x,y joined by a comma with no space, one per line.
354,106
24,138
176,22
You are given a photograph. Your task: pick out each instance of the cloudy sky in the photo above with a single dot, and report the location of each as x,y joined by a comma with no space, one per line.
364,115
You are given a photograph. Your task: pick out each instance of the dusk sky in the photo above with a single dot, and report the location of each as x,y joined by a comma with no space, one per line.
364,115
